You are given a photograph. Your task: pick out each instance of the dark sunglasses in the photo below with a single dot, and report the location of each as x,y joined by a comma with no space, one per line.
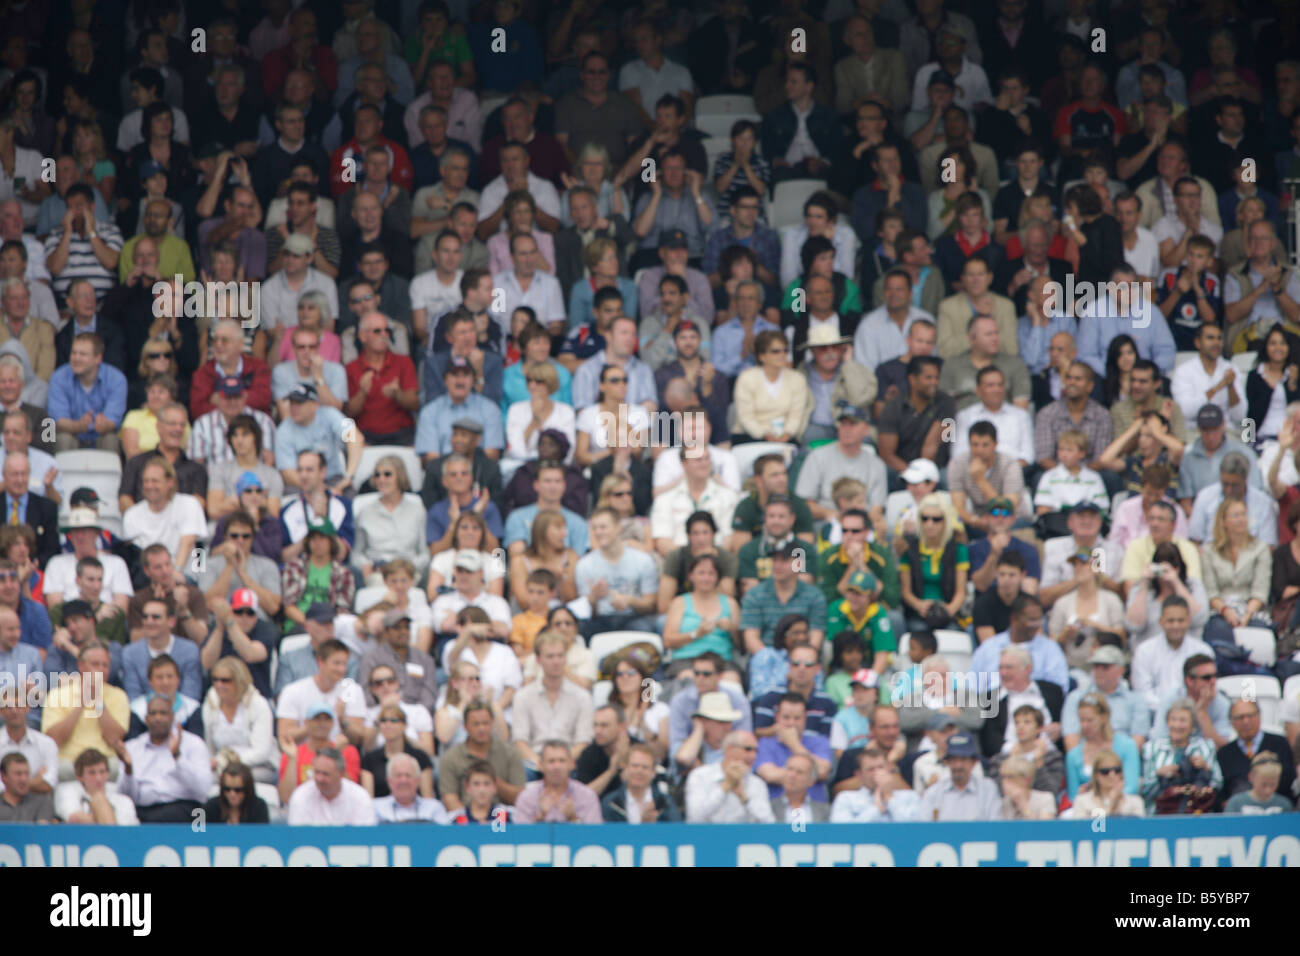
619,494
1107,771
937,519
224,680
245,610
385,474
226,789
616,380
848,530
392,720
158,355
239,535
999,512
146,617
1204,676
8,575
381,681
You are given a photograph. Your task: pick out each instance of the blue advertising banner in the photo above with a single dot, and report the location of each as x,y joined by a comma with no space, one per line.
1167,841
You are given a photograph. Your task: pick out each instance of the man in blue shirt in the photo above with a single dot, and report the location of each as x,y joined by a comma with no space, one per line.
458,480
1026,629
87,398
727,351
459,401
549,486
1129,311
792,738
310,427
620,350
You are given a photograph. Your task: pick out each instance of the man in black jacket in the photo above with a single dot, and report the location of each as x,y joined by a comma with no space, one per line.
1235,755
1014,668
638,790
18,505
85,318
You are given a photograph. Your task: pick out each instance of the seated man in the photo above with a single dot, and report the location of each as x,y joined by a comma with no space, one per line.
1160,517
877,799
1014,424
729,791
986,552
383,386
962,797
87,399
556,798
329,685
848,456
1025,631
307,367
311,428
329,797
404,804
167,771
458,402
983,475
18,803
92,797
621,582
791,738
165,682
156,636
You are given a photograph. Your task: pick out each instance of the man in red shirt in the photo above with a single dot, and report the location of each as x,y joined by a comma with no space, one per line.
228,359
383,387
368,122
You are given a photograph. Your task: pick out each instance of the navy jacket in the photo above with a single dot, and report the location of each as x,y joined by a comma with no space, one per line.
134,675
780,126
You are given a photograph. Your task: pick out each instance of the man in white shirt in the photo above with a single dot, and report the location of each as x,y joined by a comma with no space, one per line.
82,529
41,751
526,284
1141,251
167,771
729,791
437,291
652,75
329,798
699,490
1208,378
962,797
1015,426
91,798
970,82
882,333
514,177
467,579
404,803
331,686
1176,228
696,435
1157,668
876,800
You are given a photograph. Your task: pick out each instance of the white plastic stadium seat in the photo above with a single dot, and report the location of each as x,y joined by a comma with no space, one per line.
1292,687
714,147
901,660
602,645
749,452
88,459
1266,691
952,641
725,104
1259,641
1243,362
788,199
293,642
1182,357
488,104
718,124
105,483
371,454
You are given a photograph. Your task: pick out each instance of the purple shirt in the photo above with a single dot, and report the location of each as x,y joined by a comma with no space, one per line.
585,803
771,750
250,245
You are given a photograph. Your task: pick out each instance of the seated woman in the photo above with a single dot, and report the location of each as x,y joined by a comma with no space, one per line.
600,256
1099,736
647,718
268,534
155,388
933,570
1166,575
1107,794
314,313
1180,761
546,549
595,172
164,516
848,651
701,538
1021,800
579,664
957,173
469,533
238,725
392,527
237,802
520,218
527,419
534,344
737,264
244,436
1034,747
415,729
1085,614
1237,571
596,423
703,618
773,401
1146,442
1272,385
617,492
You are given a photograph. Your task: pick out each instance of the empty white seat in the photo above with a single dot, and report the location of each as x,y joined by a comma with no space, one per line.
719,124
952,641
1266,691
725,104
1259,642
88,459
1243,362
788,199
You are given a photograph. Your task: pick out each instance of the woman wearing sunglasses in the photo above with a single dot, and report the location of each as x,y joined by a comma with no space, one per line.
647,718
146,397
391,720
237,801
597,423
391,528
1105,795
934,569
527,419
237,721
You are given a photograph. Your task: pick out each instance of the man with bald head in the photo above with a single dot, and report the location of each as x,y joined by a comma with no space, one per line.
1062,349
238,226
383,386
13,379
370,232
173,251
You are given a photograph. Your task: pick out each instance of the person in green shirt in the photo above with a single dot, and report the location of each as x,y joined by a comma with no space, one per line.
771,477
110,619
859,611
857,553
848,652
777,530
438,40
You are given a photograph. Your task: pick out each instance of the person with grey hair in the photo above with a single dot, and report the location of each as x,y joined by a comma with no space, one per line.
729,791
34,335
1180,759
434,203
404,803
86,318
15,395
227,118
1234,484
329,798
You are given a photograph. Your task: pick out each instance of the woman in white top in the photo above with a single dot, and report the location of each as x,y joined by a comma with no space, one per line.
1105,792
1272,384
497,665
392,527
1086,611
526,420
164,517
468,533
237,722
594,422
595,172
418,727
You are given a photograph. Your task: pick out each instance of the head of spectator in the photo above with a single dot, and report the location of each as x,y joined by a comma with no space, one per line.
1234,470
921,340
17,472
1161,519
15,774
1026,619
1015,666
322,544
976,277
557,765
16,300
11,628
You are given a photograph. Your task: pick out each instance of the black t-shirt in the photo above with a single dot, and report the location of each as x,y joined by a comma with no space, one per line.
592,762
264,633
991,612
1131,145
376,761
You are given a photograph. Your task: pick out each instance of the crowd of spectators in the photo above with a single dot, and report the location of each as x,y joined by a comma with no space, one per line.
435,501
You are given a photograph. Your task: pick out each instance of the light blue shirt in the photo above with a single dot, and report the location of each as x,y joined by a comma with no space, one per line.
285,376
633,575
728,342
1049,659
1129,713
514,387
586,381
1261,512
324,434
433,429
68,398
1149,331
1034,339
519,527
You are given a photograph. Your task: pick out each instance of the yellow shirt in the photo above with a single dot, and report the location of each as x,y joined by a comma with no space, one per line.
86,735
145,424
524,630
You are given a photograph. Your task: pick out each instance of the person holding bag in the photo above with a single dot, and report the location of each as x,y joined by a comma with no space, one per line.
1180,774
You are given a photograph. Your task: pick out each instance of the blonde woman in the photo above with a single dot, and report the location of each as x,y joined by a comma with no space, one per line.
464,689
1237,570
934,569
527,419
237,722
546,549
164,516
1020,801
773,402
391,528
469,532
595,172
593,436
394,740
1107,796
1097,735
1085,613
634,530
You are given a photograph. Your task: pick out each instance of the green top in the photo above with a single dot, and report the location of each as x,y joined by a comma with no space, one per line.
931,573
852,301
873,626
111,628
749,516
880,562
454,49
753,564
838,689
